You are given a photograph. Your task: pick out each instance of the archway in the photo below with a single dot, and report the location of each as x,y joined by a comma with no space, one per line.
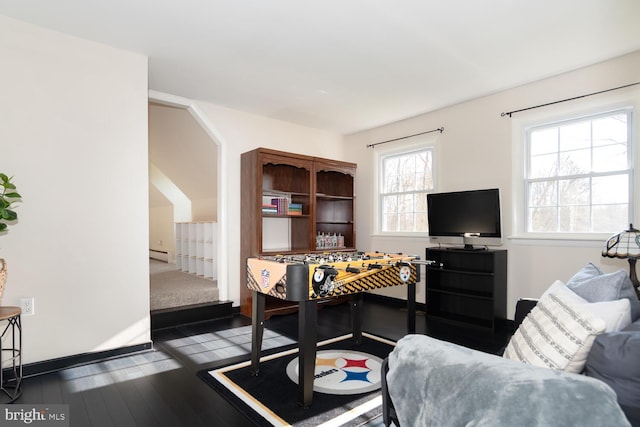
221,179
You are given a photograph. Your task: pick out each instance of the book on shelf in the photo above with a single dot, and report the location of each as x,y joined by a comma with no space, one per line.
270,209
294,209
281,204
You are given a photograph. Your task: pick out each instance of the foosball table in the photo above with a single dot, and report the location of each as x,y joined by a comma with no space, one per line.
310,278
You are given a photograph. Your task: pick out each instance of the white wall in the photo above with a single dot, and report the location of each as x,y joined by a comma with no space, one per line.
162,230
73,131
475,151
183,151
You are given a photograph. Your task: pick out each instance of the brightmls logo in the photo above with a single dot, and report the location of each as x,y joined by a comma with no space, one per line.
34,415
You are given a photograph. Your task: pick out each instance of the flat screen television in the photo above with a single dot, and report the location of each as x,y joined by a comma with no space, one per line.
465,218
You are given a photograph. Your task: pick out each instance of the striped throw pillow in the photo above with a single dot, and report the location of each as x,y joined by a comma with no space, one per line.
556,334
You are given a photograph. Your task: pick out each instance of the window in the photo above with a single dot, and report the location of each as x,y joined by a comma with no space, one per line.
405,179
579,175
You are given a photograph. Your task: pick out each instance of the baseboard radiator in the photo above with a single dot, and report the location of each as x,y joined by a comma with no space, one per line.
159,255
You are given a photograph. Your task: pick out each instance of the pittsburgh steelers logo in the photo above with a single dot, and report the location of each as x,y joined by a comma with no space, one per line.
342,372
318,275
405,273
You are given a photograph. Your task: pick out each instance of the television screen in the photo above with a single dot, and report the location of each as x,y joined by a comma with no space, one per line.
465,218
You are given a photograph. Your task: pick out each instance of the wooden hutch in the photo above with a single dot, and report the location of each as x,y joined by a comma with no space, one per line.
292,203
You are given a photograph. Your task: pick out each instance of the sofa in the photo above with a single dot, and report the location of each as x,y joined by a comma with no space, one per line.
573,359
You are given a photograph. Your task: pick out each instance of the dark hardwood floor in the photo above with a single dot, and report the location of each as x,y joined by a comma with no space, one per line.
160,387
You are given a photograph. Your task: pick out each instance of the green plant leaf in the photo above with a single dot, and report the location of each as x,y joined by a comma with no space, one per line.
9,215
3,226
13,195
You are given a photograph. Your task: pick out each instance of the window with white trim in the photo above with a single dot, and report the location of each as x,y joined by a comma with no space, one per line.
405,180
579,174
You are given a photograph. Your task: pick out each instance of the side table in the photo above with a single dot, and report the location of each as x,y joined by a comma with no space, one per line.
11,366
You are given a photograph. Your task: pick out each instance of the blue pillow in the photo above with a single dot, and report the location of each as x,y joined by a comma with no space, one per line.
614,360
586,272
594,286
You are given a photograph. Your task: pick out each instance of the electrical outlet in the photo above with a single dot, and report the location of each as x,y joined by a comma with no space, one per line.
28,306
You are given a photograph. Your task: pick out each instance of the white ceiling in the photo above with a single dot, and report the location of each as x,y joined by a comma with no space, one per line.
346,65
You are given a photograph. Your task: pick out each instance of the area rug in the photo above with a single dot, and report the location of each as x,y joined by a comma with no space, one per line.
346,388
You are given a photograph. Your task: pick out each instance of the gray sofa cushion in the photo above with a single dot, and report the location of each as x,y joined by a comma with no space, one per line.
595,286
436,383
615,359
587,272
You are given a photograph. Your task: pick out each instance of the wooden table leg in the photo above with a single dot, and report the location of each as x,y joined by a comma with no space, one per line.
307,341
257,330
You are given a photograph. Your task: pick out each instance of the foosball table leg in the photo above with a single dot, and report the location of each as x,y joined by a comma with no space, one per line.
356,317
257,330
307,341
411,308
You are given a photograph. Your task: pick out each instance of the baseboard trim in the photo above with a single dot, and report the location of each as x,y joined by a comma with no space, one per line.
169,317
53,365
159,319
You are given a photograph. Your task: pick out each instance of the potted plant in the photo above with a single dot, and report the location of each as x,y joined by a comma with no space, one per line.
8,196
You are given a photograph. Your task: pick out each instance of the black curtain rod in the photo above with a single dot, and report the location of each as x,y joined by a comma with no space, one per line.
441,129
568,99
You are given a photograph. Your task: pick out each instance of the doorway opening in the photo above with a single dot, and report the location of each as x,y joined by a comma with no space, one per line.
184,214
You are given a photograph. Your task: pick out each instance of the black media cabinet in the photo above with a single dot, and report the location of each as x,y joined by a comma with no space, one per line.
466,288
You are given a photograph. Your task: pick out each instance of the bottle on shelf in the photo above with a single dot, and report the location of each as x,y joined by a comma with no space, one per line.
329,241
